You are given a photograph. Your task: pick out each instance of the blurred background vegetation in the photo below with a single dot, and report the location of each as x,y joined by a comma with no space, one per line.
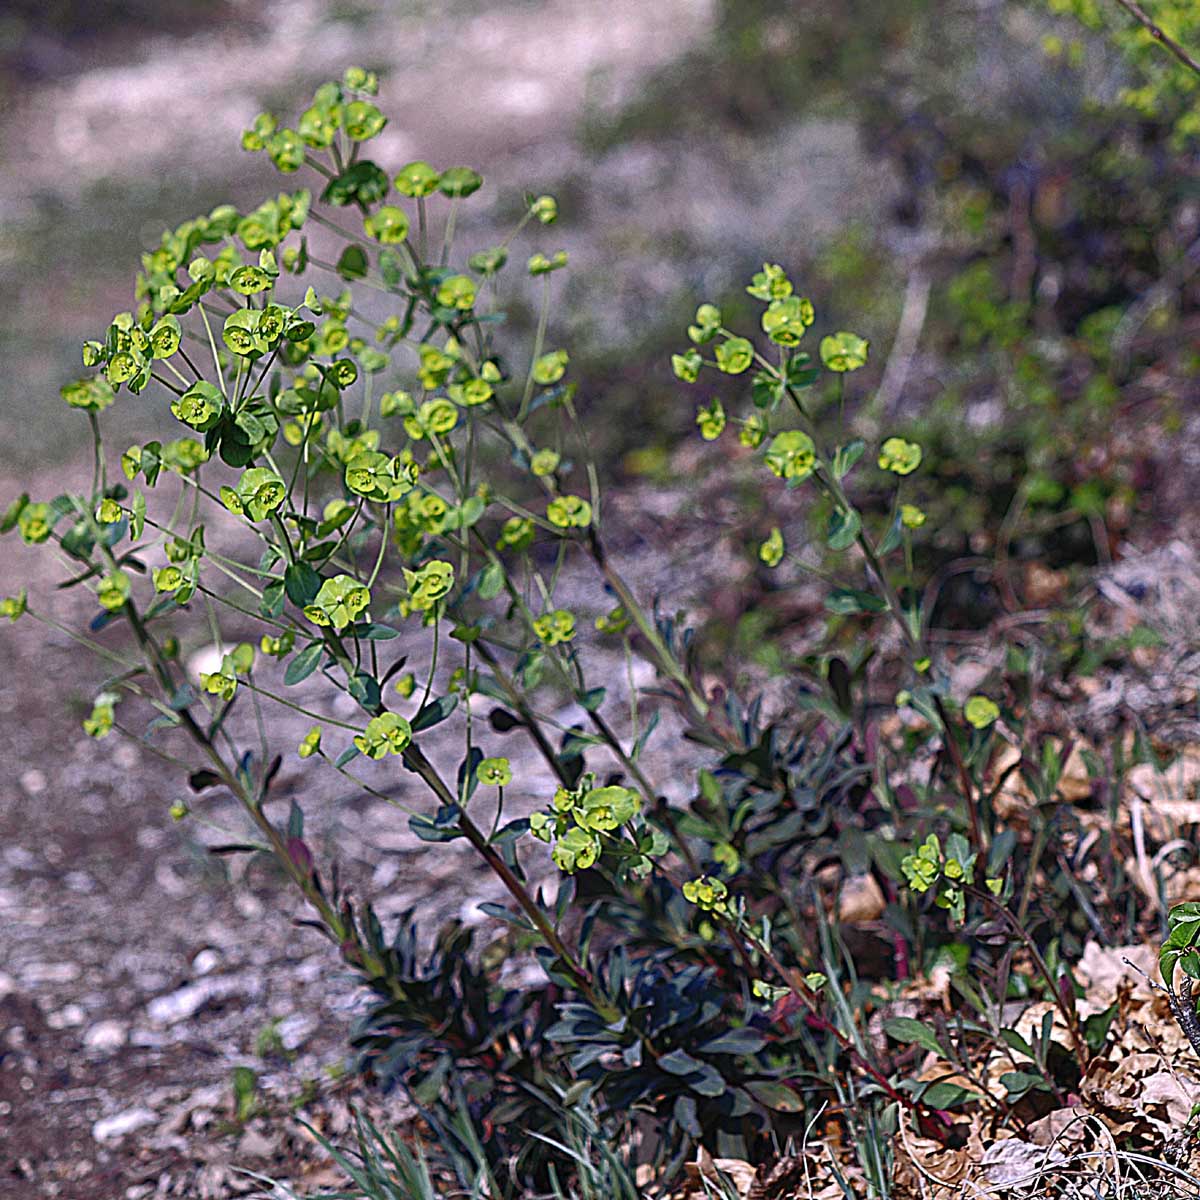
978,186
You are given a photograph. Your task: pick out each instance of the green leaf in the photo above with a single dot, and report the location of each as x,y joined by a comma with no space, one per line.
947,1095
441,827
364,182
848,601
304,663
272,600
301,583
735,1041
1096,1027
353,263
908,1029
365,689
844,526
347,755
138,521
844,457
775,1095
13,512
491,581
893,537
1019,1083
374,632
434,712
511,916
680,1062
1014,1040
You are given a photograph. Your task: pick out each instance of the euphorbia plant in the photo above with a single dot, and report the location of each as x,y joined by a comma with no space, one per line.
399,466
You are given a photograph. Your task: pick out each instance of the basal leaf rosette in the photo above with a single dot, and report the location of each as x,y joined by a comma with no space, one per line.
339,602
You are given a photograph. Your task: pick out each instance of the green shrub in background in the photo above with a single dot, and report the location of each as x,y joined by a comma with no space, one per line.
1040,246
400,468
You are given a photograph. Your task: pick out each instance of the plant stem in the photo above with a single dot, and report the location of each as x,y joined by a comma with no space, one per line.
1069,1015
1152,27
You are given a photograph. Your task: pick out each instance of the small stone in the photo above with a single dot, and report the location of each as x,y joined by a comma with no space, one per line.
105,1036
177,1006
34,781
206,961
295,1030
860,900
126,756
188,1000
67,1017
42,973
110,1129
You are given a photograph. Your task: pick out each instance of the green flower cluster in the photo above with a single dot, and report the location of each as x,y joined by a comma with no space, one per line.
945,873
708,894
585,822
339,602
223,683
388,733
